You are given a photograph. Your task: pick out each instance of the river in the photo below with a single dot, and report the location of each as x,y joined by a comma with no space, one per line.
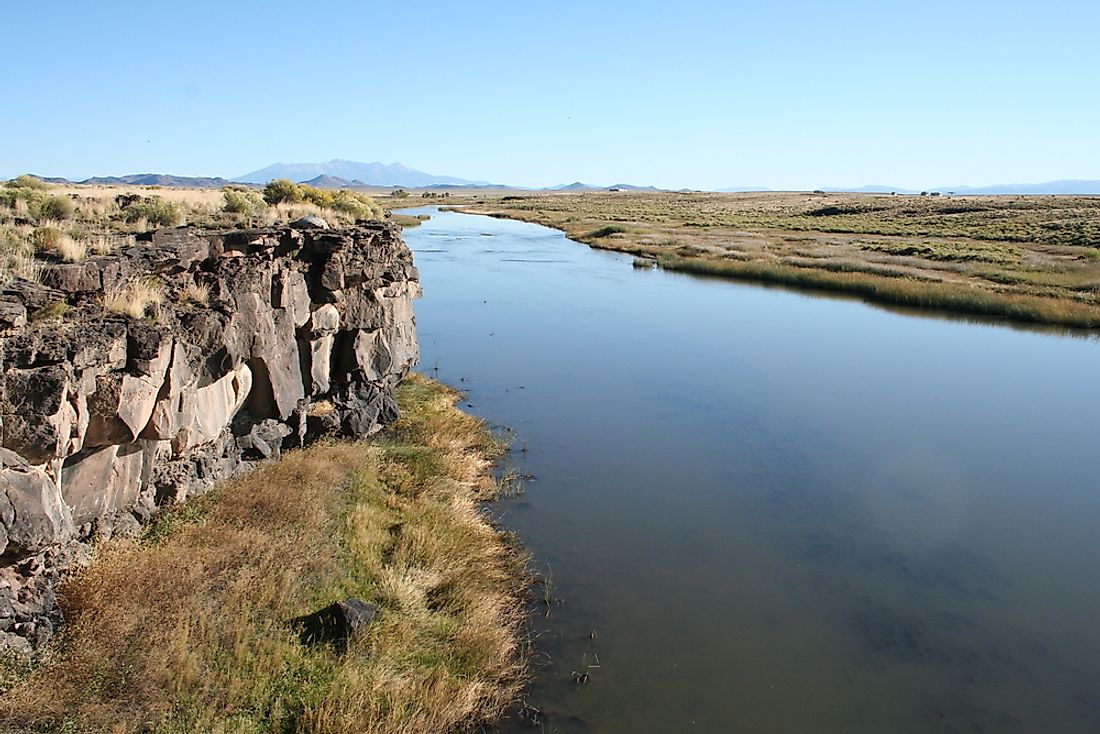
766,511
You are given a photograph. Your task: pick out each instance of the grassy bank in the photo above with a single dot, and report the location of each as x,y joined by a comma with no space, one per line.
1025,258
188,629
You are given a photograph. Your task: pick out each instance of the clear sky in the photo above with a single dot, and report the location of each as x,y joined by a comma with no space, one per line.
794,94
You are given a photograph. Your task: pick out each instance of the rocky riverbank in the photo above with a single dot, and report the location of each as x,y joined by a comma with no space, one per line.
134,380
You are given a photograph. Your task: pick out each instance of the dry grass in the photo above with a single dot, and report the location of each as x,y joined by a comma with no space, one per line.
71,250
97,219
17,256
134,298
188,630
1025,258
198,293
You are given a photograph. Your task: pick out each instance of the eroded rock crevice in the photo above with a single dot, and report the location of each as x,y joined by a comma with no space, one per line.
106,418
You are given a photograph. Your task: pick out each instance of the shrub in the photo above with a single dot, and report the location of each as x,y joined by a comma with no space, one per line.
241,200
27,181
282,191
358,205
46,239
156,211
53,208
606,231
50,312
315,196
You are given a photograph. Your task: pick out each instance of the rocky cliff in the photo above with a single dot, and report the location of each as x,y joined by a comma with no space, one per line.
262,340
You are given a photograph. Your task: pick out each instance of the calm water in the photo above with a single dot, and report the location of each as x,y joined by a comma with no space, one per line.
771,512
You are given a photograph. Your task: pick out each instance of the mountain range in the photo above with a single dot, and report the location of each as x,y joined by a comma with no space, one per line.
150,179
338,173
362,174
1069,186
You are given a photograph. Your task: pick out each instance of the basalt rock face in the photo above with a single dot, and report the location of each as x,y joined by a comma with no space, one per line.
104,418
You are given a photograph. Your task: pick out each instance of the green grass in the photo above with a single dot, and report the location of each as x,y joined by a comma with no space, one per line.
50,312
606,231
902,291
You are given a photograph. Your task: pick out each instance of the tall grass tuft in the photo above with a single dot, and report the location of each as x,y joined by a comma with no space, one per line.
134,298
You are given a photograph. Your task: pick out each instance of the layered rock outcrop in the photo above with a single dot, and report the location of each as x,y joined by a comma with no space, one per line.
263,340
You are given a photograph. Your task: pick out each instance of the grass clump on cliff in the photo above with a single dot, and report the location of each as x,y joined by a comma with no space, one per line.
135,298
189,629
17,257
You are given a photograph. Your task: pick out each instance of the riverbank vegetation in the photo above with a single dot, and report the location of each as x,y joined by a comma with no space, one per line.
1026,258
189,628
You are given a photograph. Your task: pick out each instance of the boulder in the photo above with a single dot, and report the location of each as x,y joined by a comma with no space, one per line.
337,623
33,511
103,481
73,277
310,222
211,409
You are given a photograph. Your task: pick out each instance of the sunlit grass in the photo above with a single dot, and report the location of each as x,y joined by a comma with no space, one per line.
189,629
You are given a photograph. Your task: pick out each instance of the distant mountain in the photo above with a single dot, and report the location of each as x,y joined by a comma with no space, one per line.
870,189
632,187
578,186
157,179
367,174
331,182
1073,186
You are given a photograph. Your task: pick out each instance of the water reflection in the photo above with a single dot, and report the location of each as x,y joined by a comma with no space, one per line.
765,511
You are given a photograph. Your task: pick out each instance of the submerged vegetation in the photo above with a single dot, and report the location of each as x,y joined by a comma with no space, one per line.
1026,258
190,628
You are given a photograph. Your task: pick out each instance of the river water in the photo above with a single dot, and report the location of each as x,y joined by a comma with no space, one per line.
766,511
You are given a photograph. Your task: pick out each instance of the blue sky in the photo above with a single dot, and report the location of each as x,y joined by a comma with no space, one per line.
678,94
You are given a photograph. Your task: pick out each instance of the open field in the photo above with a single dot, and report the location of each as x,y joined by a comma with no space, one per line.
1027,258
189,628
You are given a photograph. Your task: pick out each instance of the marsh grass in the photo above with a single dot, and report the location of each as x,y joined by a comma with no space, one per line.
902,291
407,220
189,628
1024,258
